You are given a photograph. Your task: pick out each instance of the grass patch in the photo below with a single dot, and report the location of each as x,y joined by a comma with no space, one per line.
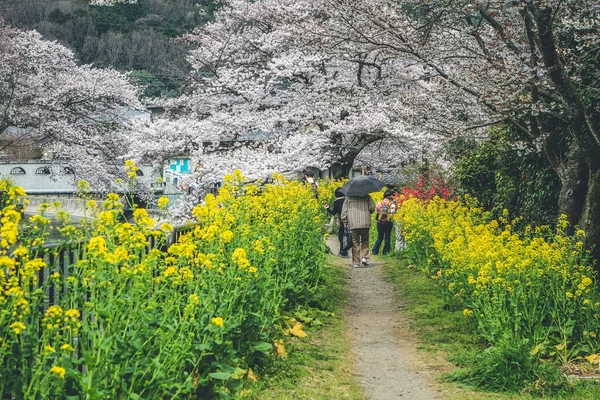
444,333
319,366
441,327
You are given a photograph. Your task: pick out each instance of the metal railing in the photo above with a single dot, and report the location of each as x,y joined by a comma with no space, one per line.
61,258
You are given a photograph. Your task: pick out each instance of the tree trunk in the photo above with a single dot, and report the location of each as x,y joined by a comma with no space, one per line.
590,218
341,169
342,162
584,127
573,175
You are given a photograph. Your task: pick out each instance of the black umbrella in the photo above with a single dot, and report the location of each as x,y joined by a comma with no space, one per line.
362,186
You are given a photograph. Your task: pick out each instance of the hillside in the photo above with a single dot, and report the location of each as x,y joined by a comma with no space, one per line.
137,38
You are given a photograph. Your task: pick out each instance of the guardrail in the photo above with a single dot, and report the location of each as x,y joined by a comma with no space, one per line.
60,256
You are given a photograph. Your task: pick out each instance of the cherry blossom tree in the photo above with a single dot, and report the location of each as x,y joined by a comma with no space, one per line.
356,72
111,2
77,112
255,77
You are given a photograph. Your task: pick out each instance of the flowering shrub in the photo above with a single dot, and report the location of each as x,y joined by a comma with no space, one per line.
128,320
538,286
426,188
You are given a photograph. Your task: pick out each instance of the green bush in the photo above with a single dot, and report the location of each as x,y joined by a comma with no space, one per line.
509,367
505,175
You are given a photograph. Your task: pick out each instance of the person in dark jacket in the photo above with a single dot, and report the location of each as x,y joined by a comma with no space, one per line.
337,210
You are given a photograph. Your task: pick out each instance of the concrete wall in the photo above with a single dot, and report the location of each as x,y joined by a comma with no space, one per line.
36,183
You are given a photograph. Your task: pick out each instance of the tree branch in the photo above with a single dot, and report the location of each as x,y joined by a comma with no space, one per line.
499,28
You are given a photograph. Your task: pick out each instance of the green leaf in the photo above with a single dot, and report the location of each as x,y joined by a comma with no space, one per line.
263,347
238,373
203,346
220,375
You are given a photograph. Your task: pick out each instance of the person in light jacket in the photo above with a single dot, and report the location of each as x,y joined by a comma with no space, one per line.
356,214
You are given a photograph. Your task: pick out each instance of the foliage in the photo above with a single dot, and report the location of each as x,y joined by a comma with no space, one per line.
444,333
509,367
504,175
539,286
125,36
325,356
138,321
152,85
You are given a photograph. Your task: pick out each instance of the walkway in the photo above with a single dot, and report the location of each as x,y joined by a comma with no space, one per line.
387,363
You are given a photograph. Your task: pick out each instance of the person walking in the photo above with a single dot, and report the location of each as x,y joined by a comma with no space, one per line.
356,214
385,209
337,210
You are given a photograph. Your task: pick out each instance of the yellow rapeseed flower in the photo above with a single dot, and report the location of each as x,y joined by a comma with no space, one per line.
169,271
60,371
66,347
193,299
239,258
166,227
131,168
163,202
72,313
20,252
83,186
6,263
218,321
226,236
17,327
97,244
54,311
185,274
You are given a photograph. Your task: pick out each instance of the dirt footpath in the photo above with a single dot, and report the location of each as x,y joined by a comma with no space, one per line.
387,363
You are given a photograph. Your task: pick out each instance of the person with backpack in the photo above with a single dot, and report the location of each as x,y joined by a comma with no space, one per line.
337,210
385,209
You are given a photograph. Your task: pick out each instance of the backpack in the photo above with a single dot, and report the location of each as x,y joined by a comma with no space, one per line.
385,212
315,187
